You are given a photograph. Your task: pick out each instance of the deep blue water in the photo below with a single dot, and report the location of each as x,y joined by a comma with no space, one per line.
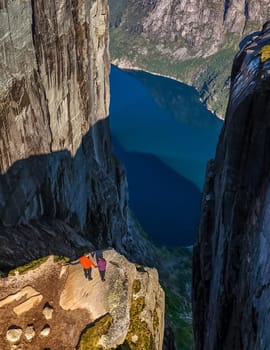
164,137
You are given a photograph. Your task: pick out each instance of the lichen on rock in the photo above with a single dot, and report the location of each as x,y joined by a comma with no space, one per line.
90,337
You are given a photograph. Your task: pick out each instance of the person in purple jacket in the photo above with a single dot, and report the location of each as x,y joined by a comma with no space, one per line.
101,264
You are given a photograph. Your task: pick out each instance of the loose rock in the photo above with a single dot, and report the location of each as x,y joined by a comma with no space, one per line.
45,331
48,312
29,332
14,335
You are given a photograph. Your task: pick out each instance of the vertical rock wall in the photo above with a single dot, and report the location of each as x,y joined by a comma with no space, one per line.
231,259
55,148
61,188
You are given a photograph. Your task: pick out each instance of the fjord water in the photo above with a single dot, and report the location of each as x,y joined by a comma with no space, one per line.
164,136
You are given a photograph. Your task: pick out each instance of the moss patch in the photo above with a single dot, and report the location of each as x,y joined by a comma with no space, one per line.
136,286
58,258
114,263
139,336
90,337
265,53
30,266
155,320
140,268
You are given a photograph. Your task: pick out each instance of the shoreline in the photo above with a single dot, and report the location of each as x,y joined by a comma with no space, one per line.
126,65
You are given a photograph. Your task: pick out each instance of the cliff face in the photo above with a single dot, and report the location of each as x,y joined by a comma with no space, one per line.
62,190
55,153
193,41
124,312
231,264
54,76
200,26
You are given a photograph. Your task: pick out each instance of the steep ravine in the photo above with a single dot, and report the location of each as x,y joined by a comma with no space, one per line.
231,258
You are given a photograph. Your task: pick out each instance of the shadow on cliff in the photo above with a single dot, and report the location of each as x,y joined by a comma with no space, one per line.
55,203
166,203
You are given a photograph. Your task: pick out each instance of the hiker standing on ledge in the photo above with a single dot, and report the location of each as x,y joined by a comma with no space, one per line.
87,265
101,264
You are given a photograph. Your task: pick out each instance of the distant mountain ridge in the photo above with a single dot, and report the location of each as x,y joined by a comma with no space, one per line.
193,41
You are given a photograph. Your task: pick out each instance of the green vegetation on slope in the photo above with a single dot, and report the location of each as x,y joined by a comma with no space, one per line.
30,266
90,337
182,323
136,286
210,75
62,259
175,273
138,329
177,286
35,264
117,8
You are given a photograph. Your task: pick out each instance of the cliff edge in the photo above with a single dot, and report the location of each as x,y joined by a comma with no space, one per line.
53,306
231,257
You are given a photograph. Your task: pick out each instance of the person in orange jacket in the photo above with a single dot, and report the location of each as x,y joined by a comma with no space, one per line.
87,265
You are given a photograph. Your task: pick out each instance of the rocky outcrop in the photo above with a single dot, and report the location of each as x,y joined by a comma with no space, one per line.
231,264
124,312
55,150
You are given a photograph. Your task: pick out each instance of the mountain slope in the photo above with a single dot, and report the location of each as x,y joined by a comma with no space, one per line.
193,41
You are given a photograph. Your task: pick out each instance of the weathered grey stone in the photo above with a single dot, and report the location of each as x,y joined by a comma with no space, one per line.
134,338
231,264
61,188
